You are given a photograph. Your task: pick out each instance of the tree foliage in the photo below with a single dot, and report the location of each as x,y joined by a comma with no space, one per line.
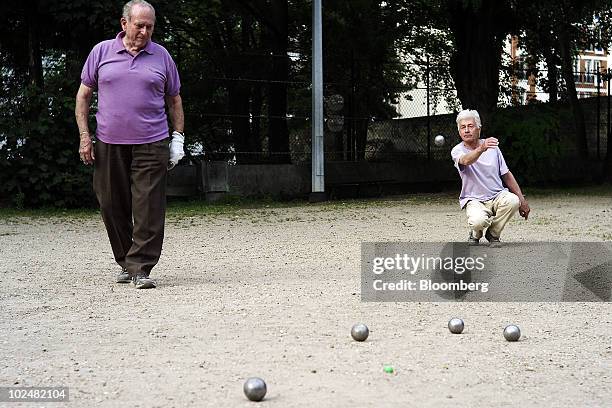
554,32
245,71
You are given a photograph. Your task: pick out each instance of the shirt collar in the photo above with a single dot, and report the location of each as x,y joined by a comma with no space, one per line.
119,47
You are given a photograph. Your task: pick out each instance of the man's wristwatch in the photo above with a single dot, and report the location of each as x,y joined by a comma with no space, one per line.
180,133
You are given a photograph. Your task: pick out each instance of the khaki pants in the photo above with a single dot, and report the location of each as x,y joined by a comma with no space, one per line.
130,184
492,214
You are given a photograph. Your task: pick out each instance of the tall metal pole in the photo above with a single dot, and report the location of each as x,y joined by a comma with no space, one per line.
598,110
428,114
318,167
608,76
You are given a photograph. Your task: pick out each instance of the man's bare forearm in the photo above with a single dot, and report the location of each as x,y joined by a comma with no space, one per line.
175,111
471,157
82,113
81,110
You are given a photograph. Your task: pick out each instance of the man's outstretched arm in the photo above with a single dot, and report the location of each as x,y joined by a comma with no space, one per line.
474,155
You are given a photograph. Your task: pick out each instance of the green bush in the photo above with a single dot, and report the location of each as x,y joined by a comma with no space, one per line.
39,161
531,141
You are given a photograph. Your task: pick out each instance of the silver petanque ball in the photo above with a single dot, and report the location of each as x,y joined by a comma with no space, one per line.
360,332
512,333
455,325
439,140
255,389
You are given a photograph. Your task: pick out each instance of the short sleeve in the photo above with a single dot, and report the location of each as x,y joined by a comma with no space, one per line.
173,82
89,74
503,168
456,154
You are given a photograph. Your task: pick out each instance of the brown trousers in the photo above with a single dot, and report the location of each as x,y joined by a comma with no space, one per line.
130,184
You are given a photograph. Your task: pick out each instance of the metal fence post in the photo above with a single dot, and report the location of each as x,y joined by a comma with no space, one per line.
352,137
608,75
428,112
598,110
318,169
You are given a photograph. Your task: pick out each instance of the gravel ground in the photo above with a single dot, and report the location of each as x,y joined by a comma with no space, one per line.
273,292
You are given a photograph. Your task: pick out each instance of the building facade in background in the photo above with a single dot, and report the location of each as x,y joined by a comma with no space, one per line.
525,88
523,81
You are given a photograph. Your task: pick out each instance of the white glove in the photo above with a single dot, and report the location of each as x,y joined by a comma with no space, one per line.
176,149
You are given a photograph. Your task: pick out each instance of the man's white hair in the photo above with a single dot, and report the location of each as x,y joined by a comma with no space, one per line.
469,114
127,8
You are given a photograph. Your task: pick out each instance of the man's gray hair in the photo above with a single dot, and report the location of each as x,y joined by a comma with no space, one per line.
127,8
469,114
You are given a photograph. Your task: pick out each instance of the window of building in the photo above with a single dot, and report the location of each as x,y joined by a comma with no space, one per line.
577,73
588,71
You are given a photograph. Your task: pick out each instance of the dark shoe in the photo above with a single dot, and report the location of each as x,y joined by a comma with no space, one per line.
473,241
123,277
143,282
493,241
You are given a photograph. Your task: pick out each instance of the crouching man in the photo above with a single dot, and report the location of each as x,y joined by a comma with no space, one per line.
489,192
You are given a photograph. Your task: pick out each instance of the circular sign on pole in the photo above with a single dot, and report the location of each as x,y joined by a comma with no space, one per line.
335,102
335,123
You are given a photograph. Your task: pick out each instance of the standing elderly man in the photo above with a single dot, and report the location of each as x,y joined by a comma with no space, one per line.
488,203
135,78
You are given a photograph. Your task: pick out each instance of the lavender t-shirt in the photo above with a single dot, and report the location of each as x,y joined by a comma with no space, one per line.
131,91
480,180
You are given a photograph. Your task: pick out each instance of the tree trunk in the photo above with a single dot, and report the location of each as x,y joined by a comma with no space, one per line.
360,108
338,144
238,93
35,72
274,18
479,32
361,136
240,96
552,76
278,133
256,105
567,71
35,106
607,171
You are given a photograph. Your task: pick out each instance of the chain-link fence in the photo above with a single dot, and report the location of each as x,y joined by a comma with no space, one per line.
260,120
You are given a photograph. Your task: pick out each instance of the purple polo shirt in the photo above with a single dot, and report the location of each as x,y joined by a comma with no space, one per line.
480,180
131,91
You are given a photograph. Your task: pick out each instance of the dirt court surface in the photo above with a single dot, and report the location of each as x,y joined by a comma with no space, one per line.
273,292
